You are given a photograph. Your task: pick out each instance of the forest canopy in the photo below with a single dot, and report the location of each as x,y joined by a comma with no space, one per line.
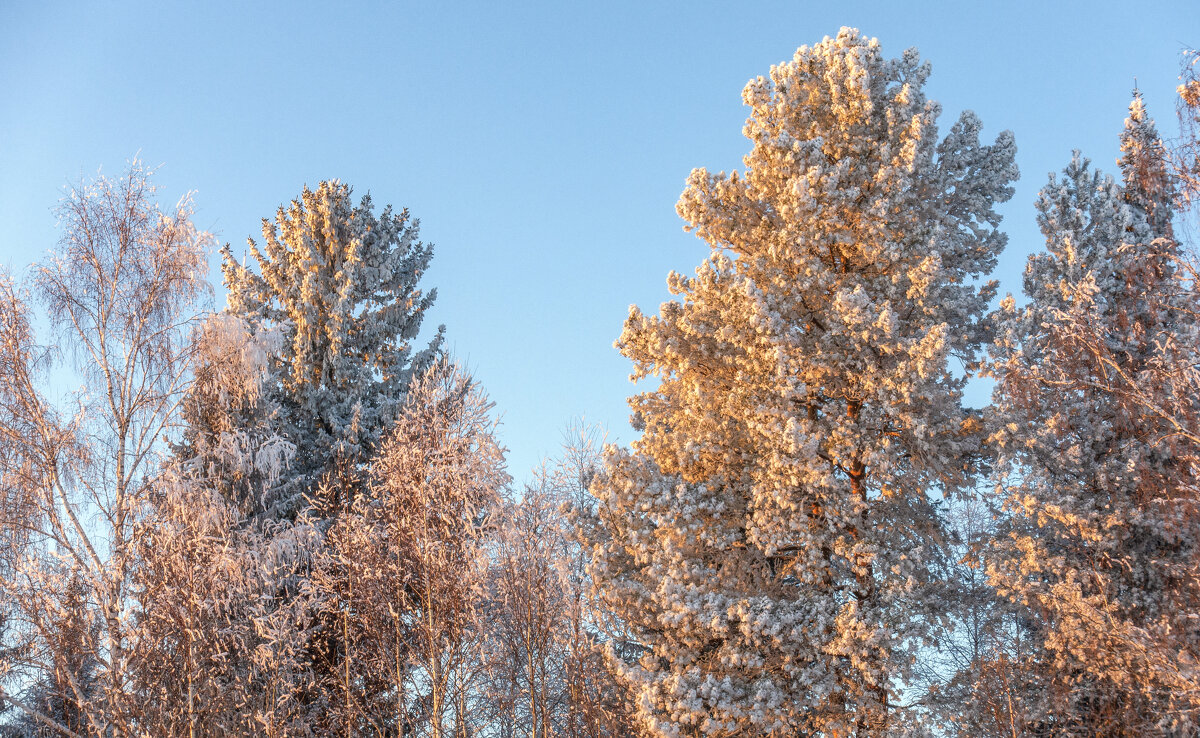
292,516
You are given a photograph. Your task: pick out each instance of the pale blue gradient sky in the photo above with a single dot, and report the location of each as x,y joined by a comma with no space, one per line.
542,145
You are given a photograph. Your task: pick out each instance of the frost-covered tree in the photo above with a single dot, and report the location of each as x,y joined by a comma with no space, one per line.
221,649
401,582
341,286
338,286
1186,157
769,541
547,673
528,614
121,290
1097,430
63,693
1149,186
996,685
979,683
231,439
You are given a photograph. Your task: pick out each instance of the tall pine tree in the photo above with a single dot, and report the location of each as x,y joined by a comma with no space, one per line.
768,542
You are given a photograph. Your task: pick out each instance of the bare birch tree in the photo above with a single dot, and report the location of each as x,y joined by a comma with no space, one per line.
548,675
121,291
401,575
1187,153
221,651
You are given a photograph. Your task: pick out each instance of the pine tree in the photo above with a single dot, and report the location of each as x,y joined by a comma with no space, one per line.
340,284
769,542
1096,417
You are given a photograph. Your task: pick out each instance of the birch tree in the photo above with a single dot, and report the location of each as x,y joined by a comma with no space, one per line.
400,583
981,684
121,291
548,675
1186,157
769,539
221,647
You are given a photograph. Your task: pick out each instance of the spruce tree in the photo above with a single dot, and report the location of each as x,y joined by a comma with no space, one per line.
769,541
341,286
1097,433
338,286
1149,186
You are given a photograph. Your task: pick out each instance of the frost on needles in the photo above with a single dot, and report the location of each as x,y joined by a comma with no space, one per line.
770,540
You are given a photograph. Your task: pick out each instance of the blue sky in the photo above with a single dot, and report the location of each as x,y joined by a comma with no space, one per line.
542,145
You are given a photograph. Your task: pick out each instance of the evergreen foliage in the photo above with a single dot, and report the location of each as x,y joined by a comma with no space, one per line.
1096,421
770,539
340,284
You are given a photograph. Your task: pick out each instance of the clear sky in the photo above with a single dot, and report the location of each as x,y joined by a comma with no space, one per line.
542,145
